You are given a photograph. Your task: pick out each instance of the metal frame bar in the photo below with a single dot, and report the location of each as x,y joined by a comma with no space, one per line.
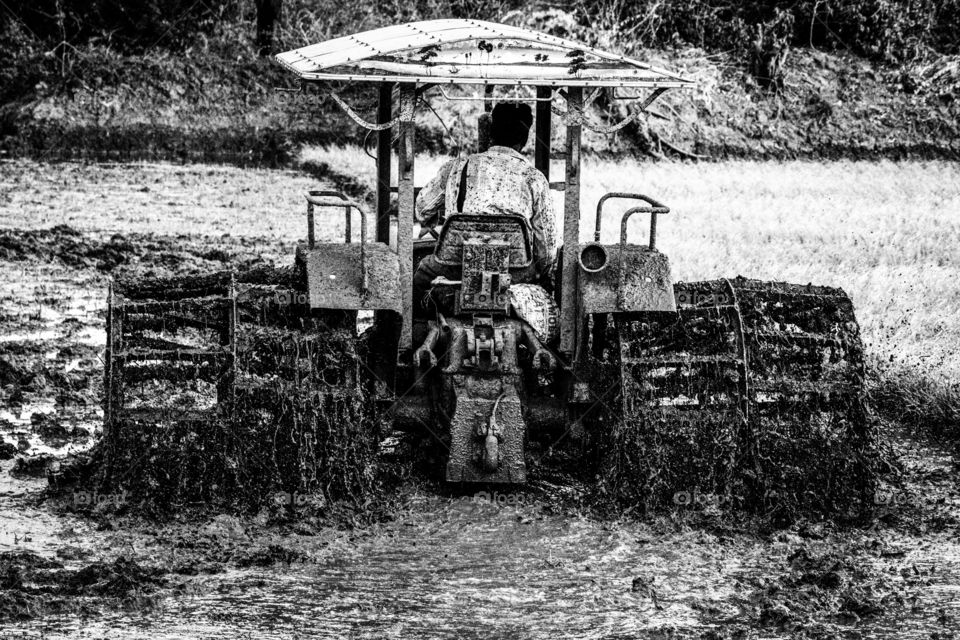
384,112
483,122
314,199
541,143
538,97
571,231
656,208
405,205
572,82
384,170
647,100
337,199
653,211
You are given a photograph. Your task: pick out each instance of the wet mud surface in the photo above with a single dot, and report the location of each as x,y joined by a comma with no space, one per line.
521,564
457,567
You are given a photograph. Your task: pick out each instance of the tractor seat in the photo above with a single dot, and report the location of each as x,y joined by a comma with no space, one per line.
474,244
511,229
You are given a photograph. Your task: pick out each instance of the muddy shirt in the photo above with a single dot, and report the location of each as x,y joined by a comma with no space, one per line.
500,180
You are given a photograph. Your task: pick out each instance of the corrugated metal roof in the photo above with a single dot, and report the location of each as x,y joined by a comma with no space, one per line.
471,52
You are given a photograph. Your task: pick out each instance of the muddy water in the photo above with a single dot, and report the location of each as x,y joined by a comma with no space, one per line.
455,569
25,525
479,568
452,568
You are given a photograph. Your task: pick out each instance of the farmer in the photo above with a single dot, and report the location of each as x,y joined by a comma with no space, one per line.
498,181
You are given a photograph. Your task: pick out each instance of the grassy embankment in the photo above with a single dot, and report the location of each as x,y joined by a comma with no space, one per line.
212,98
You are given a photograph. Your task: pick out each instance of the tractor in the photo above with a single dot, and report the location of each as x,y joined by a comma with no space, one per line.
625,343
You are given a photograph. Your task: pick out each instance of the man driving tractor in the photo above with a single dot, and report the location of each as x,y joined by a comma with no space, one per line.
623,354
499,180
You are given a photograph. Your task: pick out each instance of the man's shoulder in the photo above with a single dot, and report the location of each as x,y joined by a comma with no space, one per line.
504,156
535,177
447,168
515,160
451,162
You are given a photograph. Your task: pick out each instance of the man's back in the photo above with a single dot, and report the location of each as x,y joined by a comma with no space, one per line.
497,181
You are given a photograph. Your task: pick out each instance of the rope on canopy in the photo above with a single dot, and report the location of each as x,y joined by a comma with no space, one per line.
405,115
578,116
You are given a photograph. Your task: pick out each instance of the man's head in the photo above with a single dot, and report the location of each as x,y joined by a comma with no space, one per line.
510,124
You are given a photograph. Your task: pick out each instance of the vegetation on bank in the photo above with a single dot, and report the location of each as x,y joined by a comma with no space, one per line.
892,31
184,81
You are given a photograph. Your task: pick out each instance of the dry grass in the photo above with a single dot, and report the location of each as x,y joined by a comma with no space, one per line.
886,232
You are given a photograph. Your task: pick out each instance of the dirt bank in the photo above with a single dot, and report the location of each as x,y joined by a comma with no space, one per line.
204,108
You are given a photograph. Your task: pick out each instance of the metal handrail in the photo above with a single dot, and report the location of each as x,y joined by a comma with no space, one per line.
327,198
653,211
656,208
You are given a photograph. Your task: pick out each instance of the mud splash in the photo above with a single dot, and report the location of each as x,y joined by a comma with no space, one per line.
32,587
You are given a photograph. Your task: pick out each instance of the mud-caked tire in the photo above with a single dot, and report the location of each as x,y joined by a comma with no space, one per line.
751,396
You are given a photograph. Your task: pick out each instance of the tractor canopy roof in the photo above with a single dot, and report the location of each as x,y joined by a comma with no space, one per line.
471,52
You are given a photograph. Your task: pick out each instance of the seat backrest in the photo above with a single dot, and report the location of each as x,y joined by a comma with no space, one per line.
511,229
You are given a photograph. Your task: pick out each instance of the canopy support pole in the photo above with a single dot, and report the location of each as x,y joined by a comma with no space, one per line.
483,122
405,206
384,111
571,227
541,147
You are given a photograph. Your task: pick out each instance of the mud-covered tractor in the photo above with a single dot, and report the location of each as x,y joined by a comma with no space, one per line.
626,355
